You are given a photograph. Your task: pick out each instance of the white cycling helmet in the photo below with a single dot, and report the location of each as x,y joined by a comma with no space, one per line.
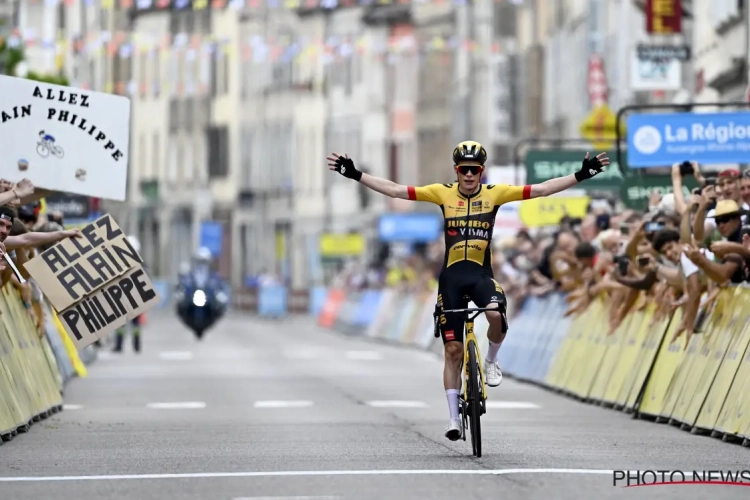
134,243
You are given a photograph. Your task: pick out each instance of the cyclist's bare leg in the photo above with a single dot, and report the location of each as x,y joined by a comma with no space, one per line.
496,332
454,356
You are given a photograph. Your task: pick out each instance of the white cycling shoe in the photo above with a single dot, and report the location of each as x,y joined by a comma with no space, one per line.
453,430
492,373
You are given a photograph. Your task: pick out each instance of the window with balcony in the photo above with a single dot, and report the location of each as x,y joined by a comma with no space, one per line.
218,152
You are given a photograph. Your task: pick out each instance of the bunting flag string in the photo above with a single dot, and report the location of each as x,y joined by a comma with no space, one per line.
197,5
187,57
251,49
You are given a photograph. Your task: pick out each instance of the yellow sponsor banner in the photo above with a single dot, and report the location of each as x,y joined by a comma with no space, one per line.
628,353
725,377
549,210
719,340
613,344
341,245
667,363
646,356
717,322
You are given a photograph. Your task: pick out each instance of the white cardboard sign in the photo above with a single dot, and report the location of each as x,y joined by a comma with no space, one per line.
64,138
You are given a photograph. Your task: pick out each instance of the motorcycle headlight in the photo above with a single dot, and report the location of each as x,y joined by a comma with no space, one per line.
222,297
199,298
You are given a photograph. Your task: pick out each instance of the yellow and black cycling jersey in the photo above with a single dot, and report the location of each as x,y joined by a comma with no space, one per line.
469,220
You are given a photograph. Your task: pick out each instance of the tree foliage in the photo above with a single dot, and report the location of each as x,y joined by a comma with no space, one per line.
11,57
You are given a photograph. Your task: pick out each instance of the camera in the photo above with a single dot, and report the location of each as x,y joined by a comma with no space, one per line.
686,169
622,262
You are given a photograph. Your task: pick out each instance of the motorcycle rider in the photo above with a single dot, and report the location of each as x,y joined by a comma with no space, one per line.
201,276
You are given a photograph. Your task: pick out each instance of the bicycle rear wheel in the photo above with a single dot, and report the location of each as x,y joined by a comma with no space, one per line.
475,401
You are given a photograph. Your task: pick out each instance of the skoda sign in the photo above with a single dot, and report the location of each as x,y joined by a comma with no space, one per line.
656,140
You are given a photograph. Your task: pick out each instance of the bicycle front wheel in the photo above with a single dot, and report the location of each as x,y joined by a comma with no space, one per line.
475,401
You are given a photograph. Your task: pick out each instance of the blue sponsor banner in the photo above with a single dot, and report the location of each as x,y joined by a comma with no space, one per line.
367,308
272,300
212,234
318,296
660,140
411,227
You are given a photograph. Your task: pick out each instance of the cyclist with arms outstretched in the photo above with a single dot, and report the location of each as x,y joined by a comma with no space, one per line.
469,210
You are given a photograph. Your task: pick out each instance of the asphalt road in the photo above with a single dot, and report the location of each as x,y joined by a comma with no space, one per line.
264,409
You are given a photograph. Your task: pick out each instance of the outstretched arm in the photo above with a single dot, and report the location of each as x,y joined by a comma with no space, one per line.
384,186
346,167
35,239
589,168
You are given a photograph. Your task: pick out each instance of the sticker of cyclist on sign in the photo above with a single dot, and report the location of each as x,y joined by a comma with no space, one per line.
46,145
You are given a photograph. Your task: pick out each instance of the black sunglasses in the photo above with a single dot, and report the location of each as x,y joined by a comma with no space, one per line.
725,218
474,169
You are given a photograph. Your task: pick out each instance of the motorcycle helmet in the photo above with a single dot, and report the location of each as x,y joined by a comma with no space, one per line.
203,255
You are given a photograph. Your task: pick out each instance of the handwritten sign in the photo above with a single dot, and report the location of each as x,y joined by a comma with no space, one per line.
96,282
65,139
110,307
75,267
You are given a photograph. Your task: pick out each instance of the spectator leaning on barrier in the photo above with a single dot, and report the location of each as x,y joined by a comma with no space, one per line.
683,275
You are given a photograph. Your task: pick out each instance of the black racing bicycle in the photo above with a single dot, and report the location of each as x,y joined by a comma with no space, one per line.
473,397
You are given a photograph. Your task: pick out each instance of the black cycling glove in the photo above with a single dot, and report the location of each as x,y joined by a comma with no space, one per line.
345,166
589,168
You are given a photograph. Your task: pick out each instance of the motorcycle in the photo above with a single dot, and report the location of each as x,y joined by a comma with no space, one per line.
200,306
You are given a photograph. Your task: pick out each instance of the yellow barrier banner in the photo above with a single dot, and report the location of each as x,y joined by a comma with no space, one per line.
724,332
558,368
718,321
614,344
28,385
594,355
703,383
628,364
725,377
734,413
645,360
683,373
70,347
668,359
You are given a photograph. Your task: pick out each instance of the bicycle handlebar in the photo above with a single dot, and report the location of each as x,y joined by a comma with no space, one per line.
467,310
476,310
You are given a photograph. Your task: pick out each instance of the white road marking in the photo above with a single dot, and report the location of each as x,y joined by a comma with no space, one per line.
511,405
72,407
364,355
176,355
288,498
282,404
209,475
397,404
304,353
187,405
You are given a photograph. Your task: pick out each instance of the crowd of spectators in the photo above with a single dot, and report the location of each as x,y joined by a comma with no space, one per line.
24,232
680,251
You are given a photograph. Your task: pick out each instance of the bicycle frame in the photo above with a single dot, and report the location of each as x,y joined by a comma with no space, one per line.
468,335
